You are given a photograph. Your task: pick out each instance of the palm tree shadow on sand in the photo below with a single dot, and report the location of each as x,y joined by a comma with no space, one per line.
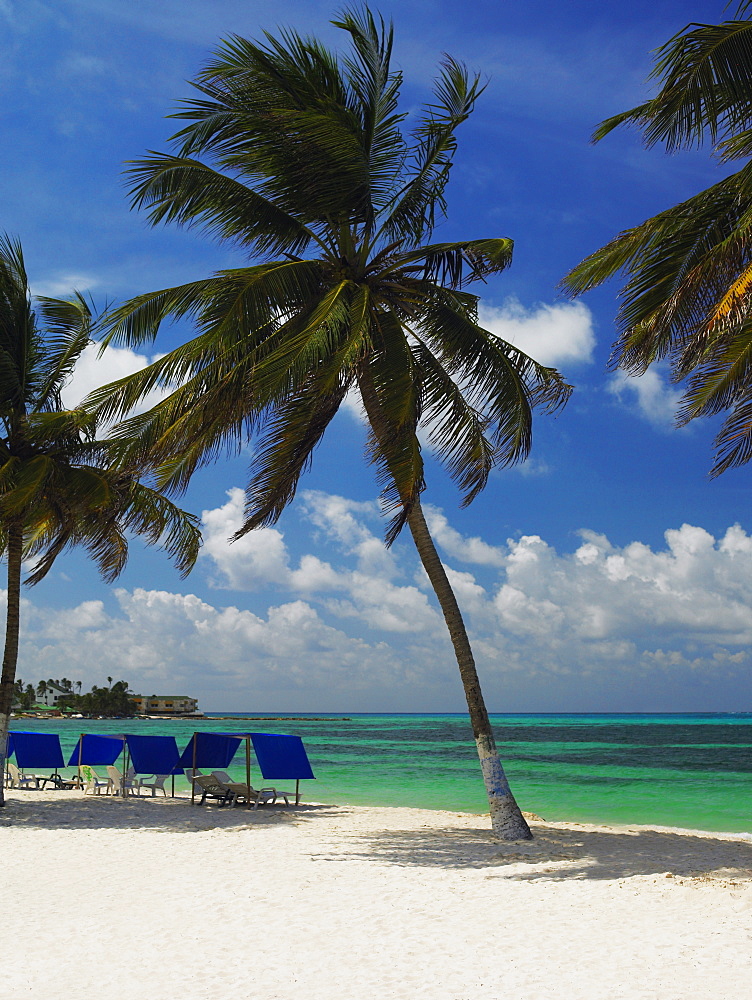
564,854
557,853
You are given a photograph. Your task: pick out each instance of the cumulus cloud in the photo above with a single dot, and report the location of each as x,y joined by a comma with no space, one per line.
530,608
472,550
156,639
94,370
365,591
557,335
258,559
653,399
327,622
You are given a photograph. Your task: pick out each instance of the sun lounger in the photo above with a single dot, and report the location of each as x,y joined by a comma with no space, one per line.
240,790
66,783
58,781
211,789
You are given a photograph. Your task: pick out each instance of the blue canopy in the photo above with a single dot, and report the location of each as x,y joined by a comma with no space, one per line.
211,750
36,749
96,750
154,754
281,757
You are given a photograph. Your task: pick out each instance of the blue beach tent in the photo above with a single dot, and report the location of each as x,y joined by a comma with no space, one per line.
96,750
154,754
281,758
36,750
210,750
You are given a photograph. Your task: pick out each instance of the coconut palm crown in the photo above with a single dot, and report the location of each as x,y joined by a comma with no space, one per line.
58,488
298,157
688,294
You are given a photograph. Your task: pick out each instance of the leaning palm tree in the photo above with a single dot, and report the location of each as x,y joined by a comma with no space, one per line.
297,156
688,294
57,488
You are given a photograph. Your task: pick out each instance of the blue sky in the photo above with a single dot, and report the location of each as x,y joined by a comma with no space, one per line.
606,574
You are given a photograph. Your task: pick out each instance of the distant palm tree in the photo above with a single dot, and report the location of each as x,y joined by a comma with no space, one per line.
56,487
309,158
688,296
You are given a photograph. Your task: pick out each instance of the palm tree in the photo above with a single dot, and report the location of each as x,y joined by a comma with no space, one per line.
297,157
688,295
56,487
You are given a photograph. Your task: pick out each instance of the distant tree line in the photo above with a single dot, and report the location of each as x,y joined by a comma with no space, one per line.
115,700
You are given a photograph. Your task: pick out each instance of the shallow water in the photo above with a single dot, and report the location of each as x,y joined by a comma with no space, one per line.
692,771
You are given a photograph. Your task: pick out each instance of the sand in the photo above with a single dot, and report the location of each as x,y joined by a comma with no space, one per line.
154,899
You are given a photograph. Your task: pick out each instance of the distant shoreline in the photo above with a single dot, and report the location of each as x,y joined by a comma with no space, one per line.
184,718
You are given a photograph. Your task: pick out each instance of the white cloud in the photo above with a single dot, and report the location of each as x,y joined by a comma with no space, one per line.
473,550
94,370
61,285
696,589
654,400
365,592
556,335
336,627
256,560
158,639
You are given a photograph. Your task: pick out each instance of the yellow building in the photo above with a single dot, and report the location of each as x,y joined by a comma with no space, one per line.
165,704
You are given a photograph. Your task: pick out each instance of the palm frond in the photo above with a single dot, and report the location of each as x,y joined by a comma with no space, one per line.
191,193
278,115
293,429
453,265
390,387
706,76
69,326
373,99
421,199
680,265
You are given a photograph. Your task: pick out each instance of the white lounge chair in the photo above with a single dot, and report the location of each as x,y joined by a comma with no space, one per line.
18,779
240,790
211,788
157,783
92,782
119,785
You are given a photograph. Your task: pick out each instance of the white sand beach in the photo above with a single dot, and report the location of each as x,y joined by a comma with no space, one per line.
150,898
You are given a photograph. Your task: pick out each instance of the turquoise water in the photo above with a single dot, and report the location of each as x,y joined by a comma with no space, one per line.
692,771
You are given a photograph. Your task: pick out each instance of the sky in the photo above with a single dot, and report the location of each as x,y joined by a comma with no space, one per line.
608,573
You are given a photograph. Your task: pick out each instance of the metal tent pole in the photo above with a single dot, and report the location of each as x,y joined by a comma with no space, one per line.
248,770
193,769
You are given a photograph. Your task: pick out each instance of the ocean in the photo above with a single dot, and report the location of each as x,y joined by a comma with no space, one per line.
690,771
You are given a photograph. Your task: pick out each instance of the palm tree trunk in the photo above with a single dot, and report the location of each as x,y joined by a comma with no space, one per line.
507,821
10,655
